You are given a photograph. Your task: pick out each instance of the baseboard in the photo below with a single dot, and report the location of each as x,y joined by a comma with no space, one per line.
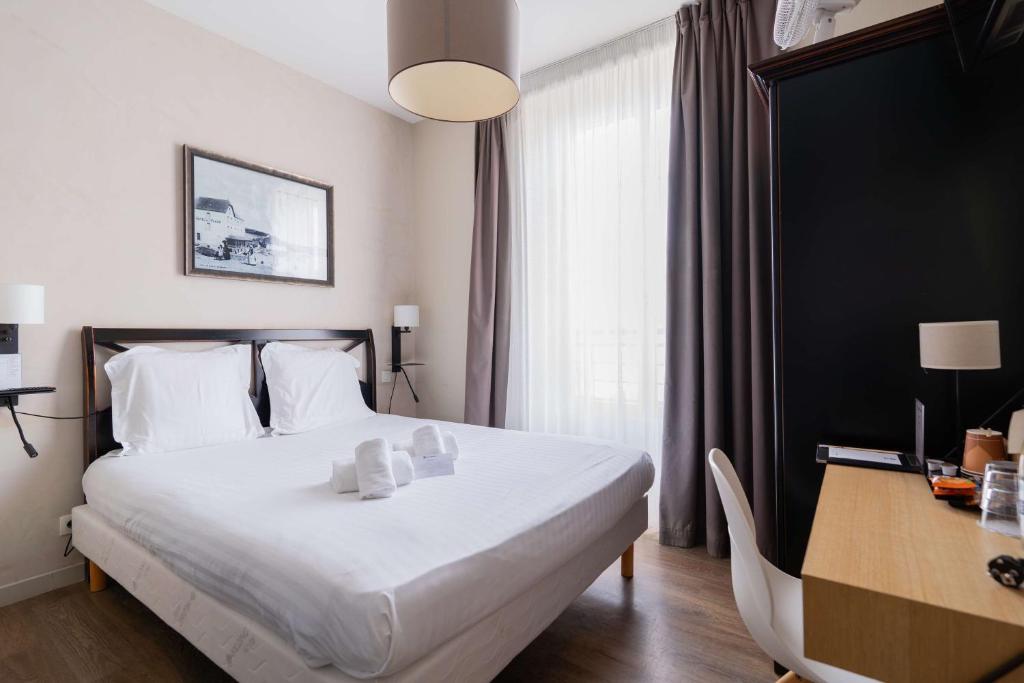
37,585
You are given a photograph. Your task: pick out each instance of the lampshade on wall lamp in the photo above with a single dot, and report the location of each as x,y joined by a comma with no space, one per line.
22,304
454,60
19,305
407,315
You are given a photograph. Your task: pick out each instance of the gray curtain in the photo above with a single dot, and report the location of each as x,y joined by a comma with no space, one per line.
718,364
489,285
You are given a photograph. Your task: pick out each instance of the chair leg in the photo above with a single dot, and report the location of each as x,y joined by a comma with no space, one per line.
97,578
627,563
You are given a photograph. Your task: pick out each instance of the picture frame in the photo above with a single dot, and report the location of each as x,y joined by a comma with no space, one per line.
245,221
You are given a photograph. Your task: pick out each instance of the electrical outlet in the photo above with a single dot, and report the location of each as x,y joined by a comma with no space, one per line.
64,525
387,377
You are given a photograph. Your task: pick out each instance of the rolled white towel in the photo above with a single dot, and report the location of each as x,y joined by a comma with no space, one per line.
374,473
451,446
401,466
426,440
343,472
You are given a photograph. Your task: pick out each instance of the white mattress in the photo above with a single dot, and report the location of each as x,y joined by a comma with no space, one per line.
252,654
369,586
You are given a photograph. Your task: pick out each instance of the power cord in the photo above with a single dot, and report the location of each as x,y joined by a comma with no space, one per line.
54,417
68,549
29,448
393,384
407,381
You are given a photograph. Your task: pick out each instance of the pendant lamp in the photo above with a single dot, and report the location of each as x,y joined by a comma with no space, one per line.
454,60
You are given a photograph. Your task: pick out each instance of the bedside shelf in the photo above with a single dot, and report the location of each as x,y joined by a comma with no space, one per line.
10,396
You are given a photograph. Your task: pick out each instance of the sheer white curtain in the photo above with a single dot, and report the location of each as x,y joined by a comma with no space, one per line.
588,156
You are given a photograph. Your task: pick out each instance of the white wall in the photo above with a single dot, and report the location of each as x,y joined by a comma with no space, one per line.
871,12
98,97
444,178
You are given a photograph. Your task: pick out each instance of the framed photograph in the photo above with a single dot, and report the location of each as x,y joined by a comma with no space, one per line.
245,221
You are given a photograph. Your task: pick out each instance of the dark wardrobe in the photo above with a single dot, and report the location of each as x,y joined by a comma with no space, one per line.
898,198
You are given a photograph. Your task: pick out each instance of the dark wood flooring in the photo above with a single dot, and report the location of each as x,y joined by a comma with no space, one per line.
675,621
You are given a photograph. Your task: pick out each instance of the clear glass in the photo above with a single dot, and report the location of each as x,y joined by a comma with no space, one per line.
1000,498
1020,494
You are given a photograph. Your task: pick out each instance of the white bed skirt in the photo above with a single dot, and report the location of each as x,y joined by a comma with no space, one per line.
250,652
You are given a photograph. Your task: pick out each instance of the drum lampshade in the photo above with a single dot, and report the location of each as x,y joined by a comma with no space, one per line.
967,345
454,60
22,304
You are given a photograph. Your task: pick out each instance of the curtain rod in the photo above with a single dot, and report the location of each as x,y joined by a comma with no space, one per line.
604,44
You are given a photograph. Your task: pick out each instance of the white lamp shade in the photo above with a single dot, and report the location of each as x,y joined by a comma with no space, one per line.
969,345
21,304
454,60
407,315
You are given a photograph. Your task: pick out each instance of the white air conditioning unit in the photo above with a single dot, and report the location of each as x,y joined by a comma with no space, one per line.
793,18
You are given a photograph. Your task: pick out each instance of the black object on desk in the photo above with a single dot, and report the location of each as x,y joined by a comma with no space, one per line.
10,398
866,457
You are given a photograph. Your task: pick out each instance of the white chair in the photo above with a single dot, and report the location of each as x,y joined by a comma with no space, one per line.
769,600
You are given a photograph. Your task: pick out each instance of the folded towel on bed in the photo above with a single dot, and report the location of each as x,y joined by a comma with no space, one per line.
343,472
374,473
450,444
426,440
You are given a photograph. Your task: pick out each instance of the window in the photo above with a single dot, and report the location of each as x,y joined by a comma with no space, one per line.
588,156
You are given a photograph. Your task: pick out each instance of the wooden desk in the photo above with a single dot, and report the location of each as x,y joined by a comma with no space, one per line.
895,584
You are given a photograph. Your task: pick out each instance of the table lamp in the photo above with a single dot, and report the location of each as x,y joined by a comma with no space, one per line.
956,346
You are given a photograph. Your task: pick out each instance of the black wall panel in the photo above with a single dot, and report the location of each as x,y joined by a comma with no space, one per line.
901,200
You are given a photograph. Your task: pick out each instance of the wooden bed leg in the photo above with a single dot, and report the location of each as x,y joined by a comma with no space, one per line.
97,578
627,563
790,677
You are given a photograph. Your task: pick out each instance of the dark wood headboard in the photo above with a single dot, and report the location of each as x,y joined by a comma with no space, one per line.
98,432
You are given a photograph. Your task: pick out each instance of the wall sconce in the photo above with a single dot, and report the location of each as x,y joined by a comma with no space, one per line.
19,305
407,316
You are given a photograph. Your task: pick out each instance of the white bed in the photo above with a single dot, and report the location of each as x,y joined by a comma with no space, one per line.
245,550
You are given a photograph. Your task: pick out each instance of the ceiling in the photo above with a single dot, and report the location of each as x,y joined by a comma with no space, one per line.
344,42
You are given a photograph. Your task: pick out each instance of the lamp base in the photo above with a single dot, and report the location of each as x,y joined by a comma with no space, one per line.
8,338
9,345
396,347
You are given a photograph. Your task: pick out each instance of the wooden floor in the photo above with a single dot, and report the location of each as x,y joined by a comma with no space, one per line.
676,621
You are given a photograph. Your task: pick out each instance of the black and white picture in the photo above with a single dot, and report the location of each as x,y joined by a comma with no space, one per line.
253,222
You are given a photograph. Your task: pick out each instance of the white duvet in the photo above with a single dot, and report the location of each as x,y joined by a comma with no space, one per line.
369,585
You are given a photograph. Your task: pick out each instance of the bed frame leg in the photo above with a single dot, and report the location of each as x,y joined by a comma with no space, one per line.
97,578
627,563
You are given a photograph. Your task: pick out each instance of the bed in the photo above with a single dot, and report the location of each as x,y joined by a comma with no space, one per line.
245,550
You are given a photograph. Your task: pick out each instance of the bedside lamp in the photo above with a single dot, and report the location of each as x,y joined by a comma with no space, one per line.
956,346
19,305
407,316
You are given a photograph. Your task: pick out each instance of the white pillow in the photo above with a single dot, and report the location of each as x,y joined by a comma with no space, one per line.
166,400
311,388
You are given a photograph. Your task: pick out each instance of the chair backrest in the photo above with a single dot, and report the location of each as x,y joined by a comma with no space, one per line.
751,583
